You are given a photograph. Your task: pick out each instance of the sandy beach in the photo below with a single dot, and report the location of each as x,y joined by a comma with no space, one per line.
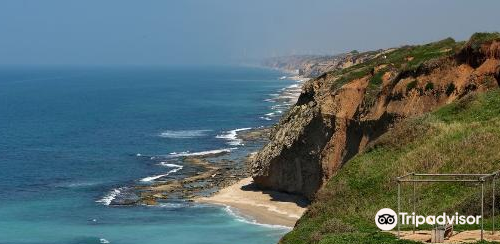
265,207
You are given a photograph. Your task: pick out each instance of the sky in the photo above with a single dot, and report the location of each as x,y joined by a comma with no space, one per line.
185,32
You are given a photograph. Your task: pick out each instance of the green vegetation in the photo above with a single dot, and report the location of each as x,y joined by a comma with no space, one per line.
408,59
461,137
450,89
377,78
429,86
479,38
411,85
402,60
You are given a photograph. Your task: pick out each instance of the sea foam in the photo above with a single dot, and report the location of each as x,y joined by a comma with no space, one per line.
183,134
232,136
248,220
108,198
202,153
103,241
152,178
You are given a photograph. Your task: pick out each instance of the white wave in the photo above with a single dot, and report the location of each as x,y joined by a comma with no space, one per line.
81,184
183,134
248,220
108,198
278,106
171,205
266,118
152,178
178,153
232,136
290,97
269,114
103,241
170,165
203,153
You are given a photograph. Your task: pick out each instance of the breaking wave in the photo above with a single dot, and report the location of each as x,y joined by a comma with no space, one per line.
108,198
183,134
202,153
247,220
155,177
232,136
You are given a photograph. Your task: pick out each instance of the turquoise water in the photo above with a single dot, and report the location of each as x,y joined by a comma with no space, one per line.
69,137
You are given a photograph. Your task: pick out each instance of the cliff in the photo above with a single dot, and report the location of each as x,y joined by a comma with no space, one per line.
341,111
312,66
462,137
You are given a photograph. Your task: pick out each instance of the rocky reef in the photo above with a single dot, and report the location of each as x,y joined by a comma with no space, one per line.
342,110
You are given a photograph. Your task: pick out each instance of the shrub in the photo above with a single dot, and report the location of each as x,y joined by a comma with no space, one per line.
450,89
429,86
377,78
411,85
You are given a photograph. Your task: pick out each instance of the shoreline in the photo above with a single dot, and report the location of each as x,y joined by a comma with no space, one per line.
264,207
215,178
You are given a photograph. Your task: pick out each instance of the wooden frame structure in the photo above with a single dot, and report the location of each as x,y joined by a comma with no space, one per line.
415,178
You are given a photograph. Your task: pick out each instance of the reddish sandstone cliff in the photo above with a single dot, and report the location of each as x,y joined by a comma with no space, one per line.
339,112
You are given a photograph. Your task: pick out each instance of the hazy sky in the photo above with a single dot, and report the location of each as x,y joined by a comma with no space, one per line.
224,31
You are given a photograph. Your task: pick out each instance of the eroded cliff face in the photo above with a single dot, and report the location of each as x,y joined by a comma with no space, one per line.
339,112
311,66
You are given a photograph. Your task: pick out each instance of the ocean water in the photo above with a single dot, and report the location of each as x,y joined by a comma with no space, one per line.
71,137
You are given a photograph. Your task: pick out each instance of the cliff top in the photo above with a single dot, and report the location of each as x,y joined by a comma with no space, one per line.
461,137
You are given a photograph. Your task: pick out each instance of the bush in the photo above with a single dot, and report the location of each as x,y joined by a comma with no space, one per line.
377,78
429,86
411,85
450,89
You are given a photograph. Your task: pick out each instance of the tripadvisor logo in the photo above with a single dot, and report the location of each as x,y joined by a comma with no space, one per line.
387,219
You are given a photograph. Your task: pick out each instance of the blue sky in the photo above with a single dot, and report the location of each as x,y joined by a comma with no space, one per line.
163,32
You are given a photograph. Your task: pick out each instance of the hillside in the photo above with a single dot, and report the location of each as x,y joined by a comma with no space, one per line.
312,66
340,112
460,137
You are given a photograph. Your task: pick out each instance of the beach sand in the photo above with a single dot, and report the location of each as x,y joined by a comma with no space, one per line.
265,207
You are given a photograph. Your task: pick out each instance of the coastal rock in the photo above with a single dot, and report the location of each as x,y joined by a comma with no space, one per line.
126,197
340,112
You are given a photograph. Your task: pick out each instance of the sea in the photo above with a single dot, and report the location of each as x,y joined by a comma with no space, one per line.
71,138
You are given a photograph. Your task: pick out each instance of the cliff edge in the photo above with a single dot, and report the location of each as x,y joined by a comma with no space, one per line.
341,111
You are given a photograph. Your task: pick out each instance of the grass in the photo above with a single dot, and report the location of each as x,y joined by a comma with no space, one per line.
483,37
461,137
376,79
405,60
